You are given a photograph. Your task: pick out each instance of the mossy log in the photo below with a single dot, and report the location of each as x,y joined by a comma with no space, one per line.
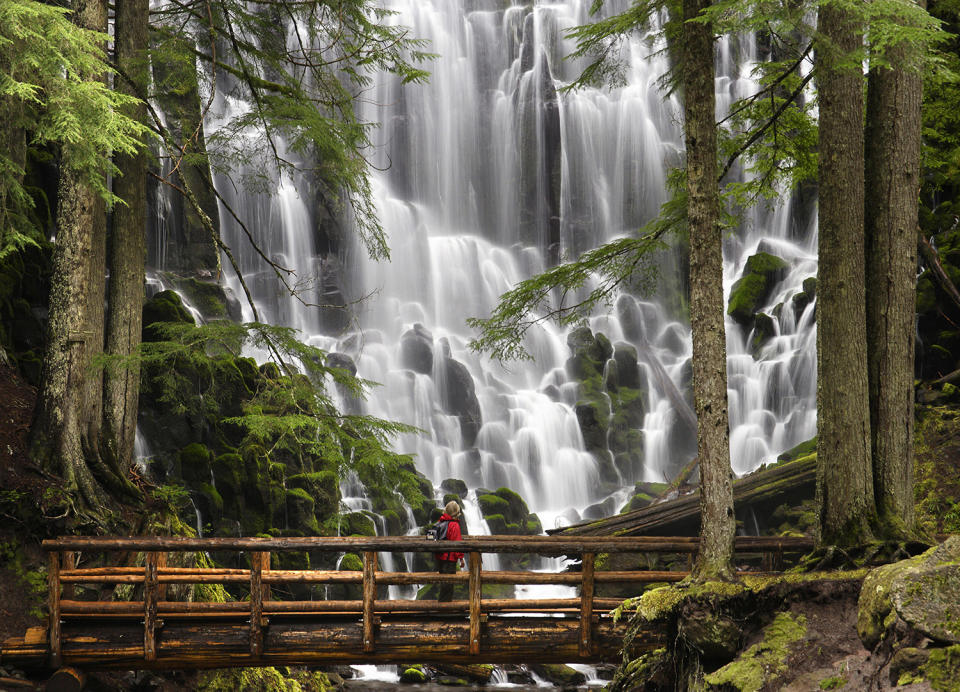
793,481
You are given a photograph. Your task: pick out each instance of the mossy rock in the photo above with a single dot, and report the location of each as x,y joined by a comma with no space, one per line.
534,526
300,512
801,450
518,508
942,669
206,296
166,306
454,486
492,504
753,288
805,297
923,591
350,562
194,461
559,674
357,524
760,665
322,486
497,524
413,675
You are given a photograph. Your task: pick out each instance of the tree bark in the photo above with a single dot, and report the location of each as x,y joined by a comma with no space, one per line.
127,251
891,218
717,526
69,399
844,472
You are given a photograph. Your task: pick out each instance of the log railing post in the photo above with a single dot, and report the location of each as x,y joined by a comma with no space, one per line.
256,603
151,584
161,588
475,595
586,604
53,586
369,595
68,561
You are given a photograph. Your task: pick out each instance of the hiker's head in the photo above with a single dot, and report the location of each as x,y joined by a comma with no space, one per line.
453,509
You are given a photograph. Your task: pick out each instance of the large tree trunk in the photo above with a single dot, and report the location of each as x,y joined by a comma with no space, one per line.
717,526
844,473
892,180
127,249
69,401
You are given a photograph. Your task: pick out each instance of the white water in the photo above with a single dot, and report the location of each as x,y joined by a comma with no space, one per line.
465,194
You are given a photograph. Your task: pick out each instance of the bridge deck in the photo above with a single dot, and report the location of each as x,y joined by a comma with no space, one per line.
149,631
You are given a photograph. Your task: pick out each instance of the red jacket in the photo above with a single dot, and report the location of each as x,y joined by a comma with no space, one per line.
453,534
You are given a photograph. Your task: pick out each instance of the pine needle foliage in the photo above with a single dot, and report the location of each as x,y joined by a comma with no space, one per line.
46,64
287,408
295,72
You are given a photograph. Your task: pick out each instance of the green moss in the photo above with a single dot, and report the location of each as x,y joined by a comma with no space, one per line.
351,562
492,504
413,674
763,662
662,602
942,669
262,680
749,292
833,683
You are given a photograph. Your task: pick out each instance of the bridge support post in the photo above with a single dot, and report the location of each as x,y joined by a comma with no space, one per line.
475,596
586,604
369,596
257,561
151,588
53,586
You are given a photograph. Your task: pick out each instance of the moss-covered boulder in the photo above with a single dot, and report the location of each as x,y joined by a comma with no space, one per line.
759,666
802,299
559,674
764,329
923,592
760,274
165,306
454,486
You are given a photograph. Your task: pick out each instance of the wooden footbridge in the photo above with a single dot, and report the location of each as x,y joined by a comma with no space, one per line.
127,617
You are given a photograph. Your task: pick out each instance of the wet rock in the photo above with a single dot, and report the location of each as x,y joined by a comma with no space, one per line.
607,508
805,297
763,330
559,674
460,399
631,318
906,660
342,361
628,366
454,486
413,674
416,349
166,306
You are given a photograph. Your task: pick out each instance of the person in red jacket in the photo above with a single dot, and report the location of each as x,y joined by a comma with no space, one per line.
447,561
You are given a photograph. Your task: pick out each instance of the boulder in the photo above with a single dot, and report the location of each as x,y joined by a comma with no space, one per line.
460,399
628,367
763,330
559,674
342,361
923,592
416,349
760,274
454,486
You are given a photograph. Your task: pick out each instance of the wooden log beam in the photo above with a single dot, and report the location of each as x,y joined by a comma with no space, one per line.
66,680
544,545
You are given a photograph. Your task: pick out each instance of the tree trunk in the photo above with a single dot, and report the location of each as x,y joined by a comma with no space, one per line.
69,400
127,250
891,218
717,526
844,472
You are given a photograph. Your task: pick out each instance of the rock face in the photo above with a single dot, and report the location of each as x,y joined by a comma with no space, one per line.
922,592
460,398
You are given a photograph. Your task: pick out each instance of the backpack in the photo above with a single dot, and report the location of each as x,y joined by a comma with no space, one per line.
438,532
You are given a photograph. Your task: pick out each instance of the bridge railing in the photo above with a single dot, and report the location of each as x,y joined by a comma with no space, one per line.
156,575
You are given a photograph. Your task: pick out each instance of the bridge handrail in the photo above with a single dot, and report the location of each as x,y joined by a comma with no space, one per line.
155,575
544,545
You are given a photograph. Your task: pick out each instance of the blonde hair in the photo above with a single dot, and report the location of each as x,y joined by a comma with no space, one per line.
452,508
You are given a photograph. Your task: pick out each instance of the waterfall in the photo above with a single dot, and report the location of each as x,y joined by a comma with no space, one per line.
486,175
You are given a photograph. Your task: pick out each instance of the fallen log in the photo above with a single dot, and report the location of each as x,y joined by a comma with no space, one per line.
788,481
